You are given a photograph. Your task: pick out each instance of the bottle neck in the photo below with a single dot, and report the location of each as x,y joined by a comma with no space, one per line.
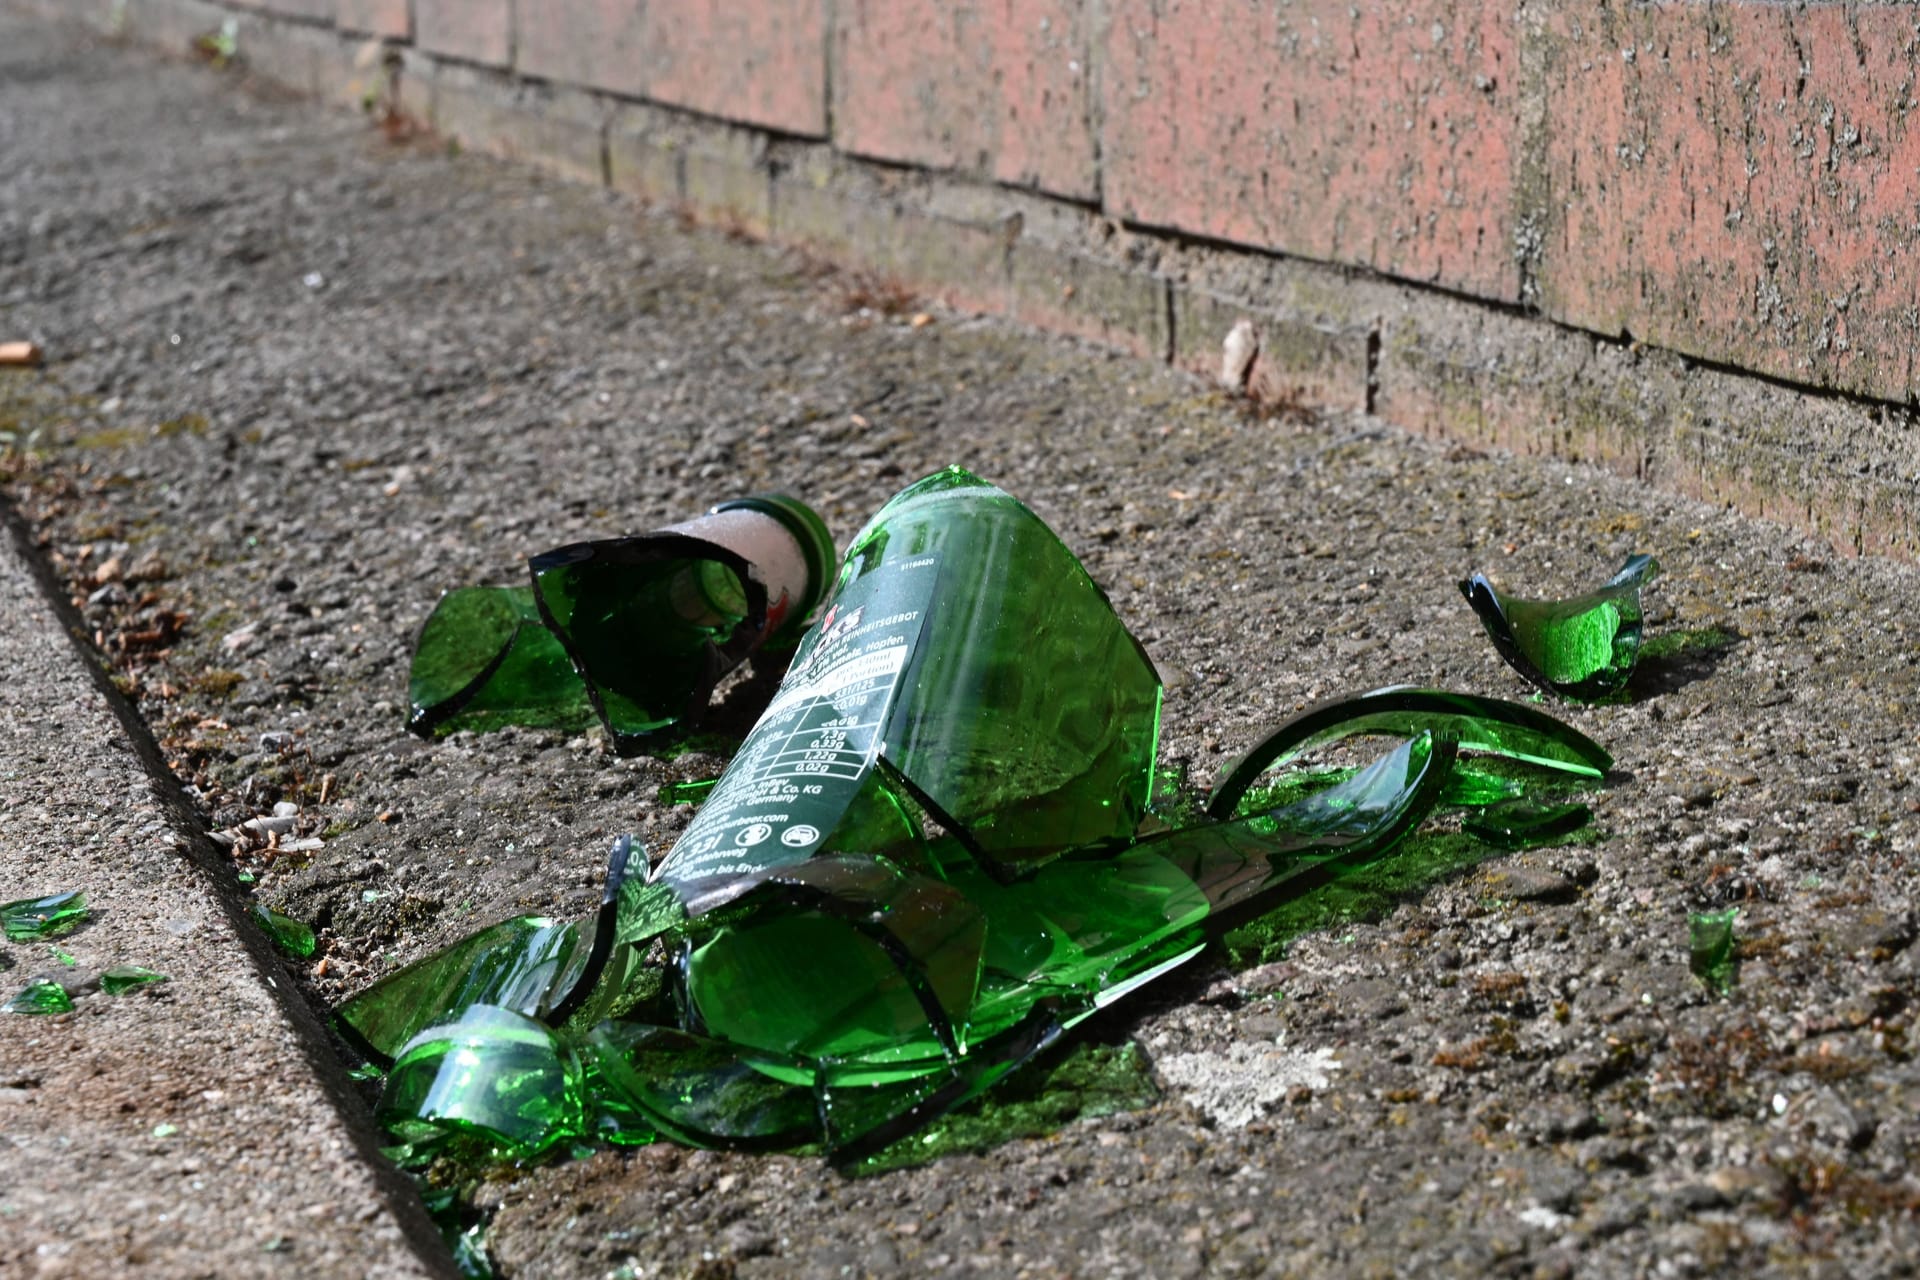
765,543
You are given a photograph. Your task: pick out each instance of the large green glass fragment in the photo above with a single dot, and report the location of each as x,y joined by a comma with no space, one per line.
494,1075
290,935
42,995
122,978
485,659
36,919
1711,948
1583,648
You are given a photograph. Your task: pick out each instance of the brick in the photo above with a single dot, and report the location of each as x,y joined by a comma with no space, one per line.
560,130
994,89
596,43
762,63
317,10
1836,468
1738,182
725,177
1110,302
645,155
1377,136
390,18
471,30
1302,357
879,223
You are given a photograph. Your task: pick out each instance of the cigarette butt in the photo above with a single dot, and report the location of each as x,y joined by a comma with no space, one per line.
25,354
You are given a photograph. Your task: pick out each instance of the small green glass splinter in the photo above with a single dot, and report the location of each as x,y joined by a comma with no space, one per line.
37,919
288,934
1710,946
1583,648
122,978
692,791
40,996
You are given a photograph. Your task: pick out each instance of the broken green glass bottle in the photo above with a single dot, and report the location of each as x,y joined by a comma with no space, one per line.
931,858
653,622
37,919
636,631
1584,648
288,934
122,978
42,995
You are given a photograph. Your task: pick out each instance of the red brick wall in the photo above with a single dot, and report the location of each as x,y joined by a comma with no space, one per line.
1737,182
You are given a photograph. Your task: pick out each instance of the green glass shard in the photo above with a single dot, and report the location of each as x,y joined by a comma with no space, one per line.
1712,950
494,1075
521,965
288,934
696,1090
689,792
37,919
122,978
66,958
653,622
485,659
1487,725
40,996
1524,824
1475,788
1583,648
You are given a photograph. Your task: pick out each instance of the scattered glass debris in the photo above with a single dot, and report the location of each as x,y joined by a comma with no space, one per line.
940,849
37,919
291,936
122,978
42,995
1524,824
164,1130
1712,948
66,958
634,630
1583,648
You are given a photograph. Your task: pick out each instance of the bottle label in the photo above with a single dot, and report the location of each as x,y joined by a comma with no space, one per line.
806,758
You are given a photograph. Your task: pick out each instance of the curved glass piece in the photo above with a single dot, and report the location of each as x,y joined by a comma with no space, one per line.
1487,725
484,659
1711,948
1522,824
1583,648
516,965
694,1089
494,1074
1240,859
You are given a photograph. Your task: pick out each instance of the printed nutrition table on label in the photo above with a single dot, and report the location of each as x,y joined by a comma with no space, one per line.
817,732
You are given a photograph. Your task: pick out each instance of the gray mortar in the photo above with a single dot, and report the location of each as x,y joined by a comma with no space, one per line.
494,362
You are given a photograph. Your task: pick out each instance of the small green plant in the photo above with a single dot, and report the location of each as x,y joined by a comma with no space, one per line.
221,47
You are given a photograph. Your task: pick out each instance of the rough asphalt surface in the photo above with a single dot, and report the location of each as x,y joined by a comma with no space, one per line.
303,378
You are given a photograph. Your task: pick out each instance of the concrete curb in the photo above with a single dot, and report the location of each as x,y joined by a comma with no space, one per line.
202,1126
